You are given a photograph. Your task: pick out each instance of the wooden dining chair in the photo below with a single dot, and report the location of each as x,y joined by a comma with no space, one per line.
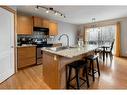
109,51
98,51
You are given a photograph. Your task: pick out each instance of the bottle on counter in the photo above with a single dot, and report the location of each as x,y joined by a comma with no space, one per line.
80,43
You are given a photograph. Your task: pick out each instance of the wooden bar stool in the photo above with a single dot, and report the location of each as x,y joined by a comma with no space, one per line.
77,65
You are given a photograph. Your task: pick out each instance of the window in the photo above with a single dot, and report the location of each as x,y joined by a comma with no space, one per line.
100,35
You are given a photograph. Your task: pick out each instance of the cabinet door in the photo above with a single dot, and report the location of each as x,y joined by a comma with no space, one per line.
25,56
7,44
38,22
25,25
45,23
53,29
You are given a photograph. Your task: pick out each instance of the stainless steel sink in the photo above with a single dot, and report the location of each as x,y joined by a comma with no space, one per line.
60,48
73,47
57,48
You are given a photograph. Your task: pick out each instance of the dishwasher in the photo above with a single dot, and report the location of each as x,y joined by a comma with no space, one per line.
39,55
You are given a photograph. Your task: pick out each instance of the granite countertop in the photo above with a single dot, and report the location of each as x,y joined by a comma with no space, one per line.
72,52
28,45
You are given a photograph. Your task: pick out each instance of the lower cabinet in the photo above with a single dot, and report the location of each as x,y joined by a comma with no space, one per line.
26,56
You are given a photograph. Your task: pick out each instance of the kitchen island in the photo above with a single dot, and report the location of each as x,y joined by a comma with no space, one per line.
54,63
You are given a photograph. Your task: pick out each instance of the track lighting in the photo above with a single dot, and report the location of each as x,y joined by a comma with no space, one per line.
47,11
51,10
55,13
36,8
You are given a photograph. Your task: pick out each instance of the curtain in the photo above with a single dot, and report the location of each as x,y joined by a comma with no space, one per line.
117,40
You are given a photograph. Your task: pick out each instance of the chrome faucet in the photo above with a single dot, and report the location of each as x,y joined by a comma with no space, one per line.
67,38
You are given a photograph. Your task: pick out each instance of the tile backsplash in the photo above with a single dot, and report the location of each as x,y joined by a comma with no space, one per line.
36,34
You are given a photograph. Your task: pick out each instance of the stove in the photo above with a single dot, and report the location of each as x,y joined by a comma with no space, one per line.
40,45
39,51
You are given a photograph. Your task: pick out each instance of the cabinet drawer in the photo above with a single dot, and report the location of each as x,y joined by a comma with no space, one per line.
27,52
26,62
24,56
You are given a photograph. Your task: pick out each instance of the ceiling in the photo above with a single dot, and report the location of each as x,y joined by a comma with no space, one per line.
78,14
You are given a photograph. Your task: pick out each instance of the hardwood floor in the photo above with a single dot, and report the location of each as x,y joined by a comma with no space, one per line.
29,78
113,76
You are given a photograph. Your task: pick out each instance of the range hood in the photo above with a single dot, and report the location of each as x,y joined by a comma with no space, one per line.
39,29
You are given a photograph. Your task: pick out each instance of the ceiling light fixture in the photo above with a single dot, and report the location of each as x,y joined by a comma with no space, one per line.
48,10
93,23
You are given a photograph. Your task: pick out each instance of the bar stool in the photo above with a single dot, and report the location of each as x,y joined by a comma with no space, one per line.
77,65
93,58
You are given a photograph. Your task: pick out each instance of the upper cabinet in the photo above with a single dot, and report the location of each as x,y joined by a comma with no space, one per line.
24,24
40,22
45,23
53,28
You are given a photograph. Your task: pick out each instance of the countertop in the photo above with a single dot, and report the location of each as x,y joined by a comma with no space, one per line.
72,52
27,46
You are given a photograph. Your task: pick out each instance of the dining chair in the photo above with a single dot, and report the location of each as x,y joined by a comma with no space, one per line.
98,51
109,51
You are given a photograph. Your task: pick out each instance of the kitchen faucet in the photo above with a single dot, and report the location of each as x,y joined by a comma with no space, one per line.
67,38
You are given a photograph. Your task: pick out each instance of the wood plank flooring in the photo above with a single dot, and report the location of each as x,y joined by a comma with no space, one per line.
29,78
113,76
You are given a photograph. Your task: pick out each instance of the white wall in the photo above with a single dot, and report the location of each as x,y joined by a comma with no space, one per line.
66,28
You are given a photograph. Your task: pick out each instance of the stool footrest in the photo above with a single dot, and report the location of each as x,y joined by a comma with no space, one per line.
77,66
80,84
72,86
72,79
91,74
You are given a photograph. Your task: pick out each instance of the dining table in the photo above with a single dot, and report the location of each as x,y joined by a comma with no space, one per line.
104,47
